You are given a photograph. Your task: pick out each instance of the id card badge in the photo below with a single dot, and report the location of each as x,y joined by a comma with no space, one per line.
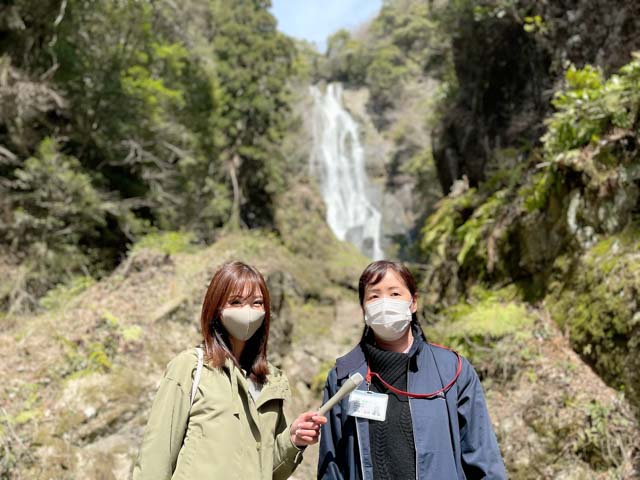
366,404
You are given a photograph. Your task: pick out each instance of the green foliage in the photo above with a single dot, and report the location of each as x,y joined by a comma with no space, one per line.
470,231
254,62
54,216
421,168
306,62
97,351
534,24
582,184
412,26
493,9
536,192
53,197
440,227
589,107
168,243
595,303
153,116
402,40
384,76
347,59
132,333
602,444
475,230
301,222
62,294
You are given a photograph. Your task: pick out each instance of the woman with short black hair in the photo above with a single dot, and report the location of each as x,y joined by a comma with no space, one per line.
421,413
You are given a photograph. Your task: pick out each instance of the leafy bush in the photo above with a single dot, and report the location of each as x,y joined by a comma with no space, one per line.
62,294
168,243
589,106
54,216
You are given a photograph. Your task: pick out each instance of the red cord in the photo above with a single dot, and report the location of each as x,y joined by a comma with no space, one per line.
419,395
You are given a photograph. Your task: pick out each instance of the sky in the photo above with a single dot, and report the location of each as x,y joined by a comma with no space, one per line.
315,20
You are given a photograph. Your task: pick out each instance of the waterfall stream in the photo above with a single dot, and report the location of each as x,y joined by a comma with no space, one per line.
337,162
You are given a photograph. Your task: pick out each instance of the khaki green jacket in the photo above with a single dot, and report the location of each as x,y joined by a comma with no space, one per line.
229,436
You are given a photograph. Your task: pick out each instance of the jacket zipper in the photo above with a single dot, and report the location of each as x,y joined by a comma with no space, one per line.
359,448
413,432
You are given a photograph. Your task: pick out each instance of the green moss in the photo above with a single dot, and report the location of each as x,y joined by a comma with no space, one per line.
27,416
489,319
63,293
603,247
595,302
111,319
535,193
491,329
168,243
132,333
319,379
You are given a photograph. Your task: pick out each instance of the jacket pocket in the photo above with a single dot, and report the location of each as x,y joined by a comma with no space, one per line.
186,455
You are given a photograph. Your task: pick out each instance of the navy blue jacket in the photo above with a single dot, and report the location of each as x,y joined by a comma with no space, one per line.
453,435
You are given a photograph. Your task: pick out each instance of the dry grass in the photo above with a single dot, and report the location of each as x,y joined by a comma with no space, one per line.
80,379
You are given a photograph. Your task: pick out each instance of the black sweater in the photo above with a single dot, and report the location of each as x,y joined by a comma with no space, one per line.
392,444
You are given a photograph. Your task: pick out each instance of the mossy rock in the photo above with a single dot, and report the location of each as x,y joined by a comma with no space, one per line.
595,300
491,330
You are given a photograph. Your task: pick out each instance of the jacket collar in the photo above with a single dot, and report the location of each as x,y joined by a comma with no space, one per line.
351,362
355,359
275,388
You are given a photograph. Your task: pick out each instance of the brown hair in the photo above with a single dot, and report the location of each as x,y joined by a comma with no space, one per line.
375,272
230,279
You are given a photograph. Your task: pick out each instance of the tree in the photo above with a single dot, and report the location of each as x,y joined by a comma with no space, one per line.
253,63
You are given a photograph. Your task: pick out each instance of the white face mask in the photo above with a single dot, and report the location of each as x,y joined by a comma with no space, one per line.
388,318
242,323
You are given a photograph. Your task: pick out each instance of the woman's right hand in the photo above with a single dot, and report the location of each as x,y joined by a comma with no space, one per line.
305,430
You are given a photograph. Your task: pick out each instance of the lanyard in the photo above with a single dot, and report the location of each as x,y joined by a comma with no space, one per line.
437,393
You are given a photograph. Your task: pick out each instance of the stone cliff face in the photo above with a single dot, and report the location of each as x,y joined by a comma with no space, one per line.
547,148
508,61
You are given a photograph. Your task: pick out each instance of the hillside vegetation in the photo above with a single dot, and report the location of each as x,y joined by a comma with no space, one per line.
121,119
143,143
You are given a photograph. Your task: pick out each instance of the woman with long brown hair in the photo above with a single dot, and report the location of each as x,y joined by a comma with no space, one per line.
218,412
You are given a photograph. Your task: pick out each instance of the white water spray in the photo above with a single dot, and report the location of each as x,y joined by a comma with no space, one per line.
337,161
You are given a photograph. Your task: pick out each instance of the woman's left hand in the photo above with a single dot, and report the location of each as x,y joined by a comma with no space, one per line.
305,430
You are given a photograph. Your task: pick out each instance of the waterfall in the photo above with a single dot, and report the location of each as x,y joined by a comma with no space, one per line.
337,161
